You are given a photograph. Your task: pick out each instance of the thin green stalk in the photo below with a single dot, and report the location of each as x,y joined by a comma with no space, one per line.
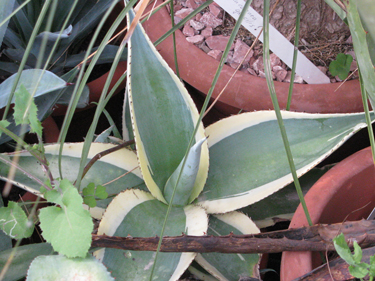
295,54
271,87
204,107
367,115
82,78
174,40
14,12
102,99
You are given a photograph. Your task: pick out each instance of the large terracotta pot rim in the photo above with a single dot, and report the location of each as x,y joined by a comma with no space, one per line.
248,92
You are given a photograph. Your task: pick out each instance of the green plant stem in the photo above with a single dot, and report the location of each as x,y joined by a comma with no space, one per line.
174,40
295,54
204,107
13,13
367,115
271,87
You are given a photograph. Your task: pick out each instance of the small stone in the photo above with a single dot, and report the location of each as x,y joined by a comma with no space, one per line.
196,25
275,60
207,32
191,4
216,10
353,65
323,69
352,53
251,71
280,73
338,79
200,1
240,50
209,19
261,74
204,47
349,40
297,79
183,12
188,30
197,39
229,57
218,42
258,65
177,19
198,17
234,65
216,54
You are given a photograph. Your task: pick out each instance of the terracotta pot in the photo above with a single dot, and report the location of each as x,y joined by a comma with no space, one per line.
346,192
247,92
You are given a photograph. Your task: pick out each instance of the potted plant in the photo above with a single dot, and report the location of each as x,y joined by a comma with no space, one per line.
165,186
247,92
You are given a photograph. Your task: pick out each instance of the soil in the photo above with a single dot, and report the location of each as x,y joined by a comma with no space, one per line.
323,34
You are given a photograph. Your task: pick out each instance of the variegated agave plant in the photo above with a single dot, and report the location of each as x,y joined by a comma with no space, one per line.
232,164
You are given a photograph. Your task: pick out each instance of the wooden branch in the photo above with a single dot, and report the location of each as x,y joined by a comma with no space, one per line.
315,238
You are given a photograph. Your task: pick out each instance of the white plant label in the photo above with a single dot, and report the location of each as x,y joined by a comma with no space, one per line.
279,45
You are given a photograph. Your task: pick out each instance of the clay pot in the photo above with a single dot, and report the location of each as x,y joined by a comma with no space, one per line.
344,193
245,91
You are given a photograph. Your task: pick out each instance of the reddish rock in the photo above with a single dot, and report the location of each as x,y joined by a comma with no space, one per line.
216,10
323,69
209,19
353,65
258,65
196,25
207,32
275,60
199,1
251,71
197,39
261,74
216,54
280,73
191,4
240,50
177,19
183,12
297,79
198,17
188,30
218,42
204,47
229,57
234,65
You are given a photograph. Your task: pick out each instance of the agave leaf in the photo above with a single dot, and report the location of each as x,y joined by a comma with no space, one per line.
22,259
59,267
241,265
112,167
137,213
184,184
248,160
29,78
361,45
160,104
282,204
6,8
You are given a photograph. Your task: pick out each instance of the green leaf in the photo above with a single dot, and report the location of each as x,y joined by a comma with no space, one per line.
372,266
187,179
160,104
343,250
137,213
36,82
25,111
283,203
5,240
61,268
68,228
341,66
6,8
357,256
101,192
4,123
239,265
359,270
90,201
22,258
361,48
14,222
121,170
247,153
89,189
